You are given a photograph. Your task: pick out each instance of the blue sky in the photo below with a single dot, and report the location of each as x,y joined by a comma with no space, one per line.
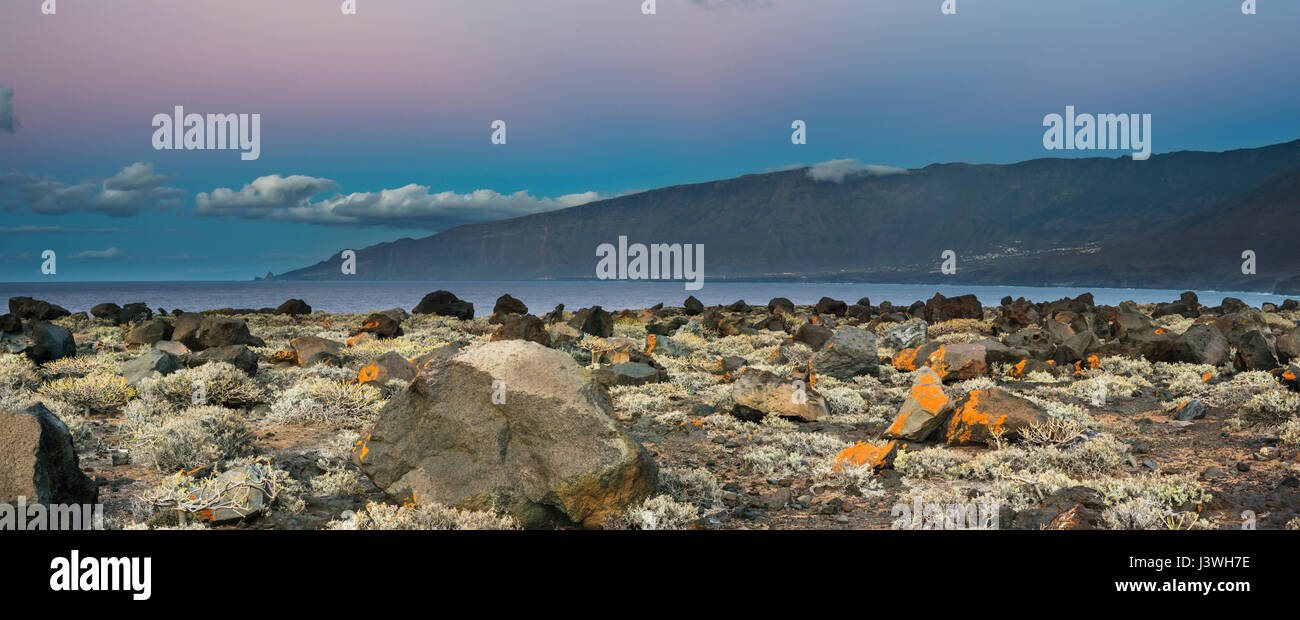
376,126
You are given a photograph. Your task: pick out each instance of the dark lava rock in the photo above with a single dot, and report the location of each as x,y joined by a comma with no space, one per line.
444,303
39,461
293,306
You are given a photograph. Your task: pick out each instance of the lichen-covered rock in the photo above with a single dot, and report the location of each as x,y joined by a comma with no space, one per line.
865,454
314,350
380,324
759,393
390,366
924,411
38,460
984,415
541,445
906,336
851,352
958,361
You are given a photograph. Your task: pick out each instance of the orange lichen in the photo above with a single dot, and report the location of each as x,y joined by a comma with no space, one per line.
650,342
368,373
897,427
928,393
1288,374
1066,520
1160,331
1093,361
937,362
1018,370
905,360
285,356
812,379
963,422
863,455
1209,374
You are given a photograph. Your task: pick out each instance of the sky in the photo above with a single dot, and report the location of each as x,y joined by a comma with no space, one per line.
379,125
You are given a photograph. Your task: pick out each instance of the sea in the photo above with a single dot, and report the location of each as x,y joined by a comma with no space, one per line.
542,296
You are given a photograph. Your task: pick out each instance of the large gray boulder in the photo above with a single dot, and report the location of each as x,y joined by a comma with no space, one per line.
157,362
850,352
1201,344
759,393
906,336
550,454
38,460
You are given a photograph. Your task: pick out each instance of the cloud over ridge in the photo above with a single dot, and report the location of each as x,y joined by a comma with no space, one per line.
297,198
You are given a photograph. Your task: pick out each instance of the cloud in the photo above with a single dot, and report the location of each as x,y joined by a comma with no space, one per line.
837,170
113,252
8,122
262,197
297,199
134,188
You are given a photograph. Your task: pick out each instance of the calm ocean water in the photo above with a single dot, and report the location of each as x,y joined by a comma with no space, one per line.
542,296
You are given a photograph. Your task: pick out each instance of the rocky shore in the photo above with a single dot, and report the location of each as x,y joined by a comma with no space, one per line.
840,415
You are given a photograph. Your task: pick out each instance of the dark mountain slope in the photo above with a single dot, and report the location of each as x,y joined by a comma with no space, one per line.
1021,219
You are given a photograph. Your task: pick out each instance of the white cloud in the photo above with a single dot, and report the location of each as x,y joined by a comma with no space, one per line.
290,199
125,194
837,170
113,252
261,197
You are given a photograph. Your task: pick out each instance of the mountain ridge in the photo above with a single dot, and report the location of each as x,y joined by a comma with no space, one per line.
1040,221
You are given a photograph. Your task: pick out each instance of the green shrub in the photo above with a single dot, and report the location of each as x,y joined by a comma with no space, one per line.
98,393
194,438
